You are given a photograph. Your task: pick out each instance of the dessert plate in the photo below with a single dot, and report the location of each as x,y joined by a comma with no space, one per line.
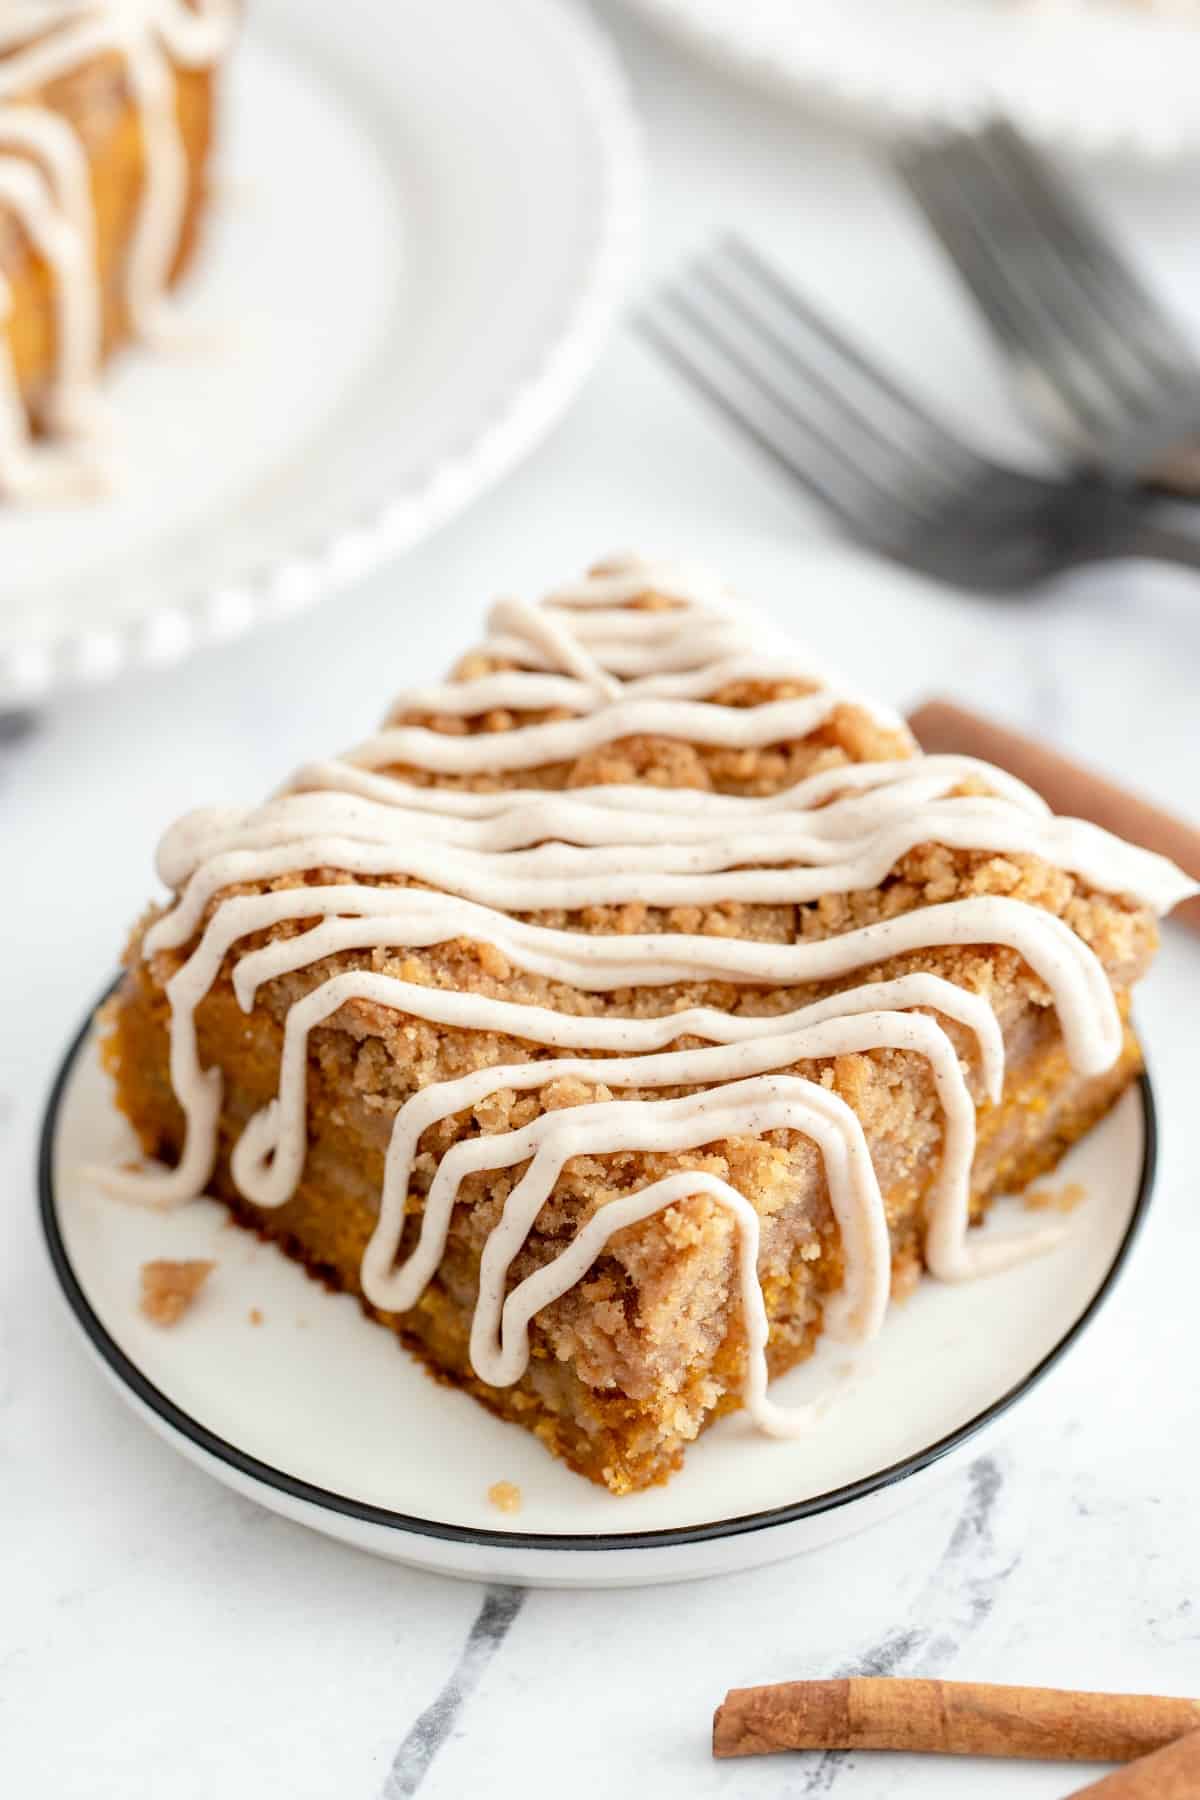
424,218
317,1414
1095,76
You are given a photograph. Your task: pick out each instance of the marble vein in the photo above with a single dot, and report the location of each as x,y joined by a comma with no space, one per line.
954,1603
491,1626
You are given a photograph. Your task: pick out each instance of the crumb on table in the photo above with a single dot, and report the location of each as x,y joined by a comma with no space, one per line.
169,1288
505,1496
256,1317
1064,1199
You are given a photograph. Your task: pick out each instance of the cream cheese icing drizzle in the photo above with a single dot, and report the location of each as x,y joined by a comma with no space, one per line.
586,652
45,185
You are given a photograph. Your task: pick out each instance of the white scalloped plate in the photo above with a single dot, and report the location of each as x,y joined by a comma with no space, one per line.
1095,76
317,1414
425,217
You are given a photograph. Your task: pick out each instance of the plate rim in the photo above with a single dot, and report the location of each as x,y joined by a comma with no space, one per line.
297,577
710,30
127,1375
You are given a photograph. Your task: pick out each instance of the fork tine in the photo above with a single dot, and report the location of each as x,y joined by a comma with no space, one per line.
810,402
1069,222
967,209
742,403
924,171
842,447
1112,339
855,366
867,431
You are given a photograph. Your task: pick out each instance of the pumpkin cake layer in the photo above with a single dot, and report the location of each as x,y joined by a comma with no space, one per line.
629,1368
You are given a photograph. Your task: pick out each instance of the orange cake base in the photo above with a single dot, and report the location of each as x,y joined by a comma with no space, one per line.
611,1438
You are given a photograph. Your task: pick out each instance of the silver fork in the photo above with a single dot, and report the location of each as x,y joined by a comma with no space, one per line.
1097,358
896,480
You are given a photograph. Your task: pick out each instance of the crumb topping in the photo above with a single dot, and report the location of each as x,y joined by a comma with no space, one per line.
169,1288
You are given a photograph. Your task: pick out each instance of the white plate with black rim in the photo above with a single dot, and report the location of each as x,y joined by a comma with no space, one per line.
424,218
287,1393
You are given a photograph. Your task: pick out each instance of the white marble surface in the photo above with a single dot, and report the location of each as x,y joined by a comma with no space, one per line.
160,1636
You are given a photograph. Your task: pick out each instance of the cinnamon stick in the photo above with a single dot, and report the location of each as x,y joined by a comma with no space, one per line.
957,1718
1169,1774
941,726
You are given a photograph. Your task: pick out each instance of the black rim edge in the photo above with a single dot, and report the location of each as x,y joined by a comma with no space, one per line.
297,1489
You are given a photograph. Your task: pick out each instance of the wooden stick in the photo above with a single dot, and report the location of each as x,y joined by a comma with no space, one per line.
1169,1774
957,1718
940,726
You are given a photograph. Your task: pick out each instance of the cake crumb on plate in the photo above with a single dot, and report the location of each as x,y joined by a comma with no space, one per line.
1064,1199
256,1317
169,1288
505,1496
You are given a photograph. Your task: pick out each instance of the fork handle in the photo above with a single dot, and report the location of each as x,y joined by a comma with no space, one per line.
1161,531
